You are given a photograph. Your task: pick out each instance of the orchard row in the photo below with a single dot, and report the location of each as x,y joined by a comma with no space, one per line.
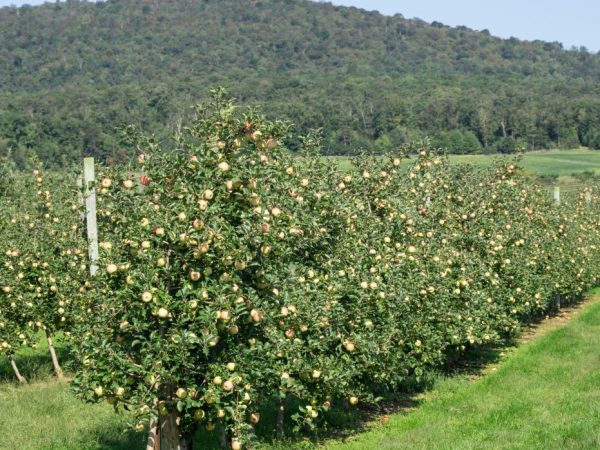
233,273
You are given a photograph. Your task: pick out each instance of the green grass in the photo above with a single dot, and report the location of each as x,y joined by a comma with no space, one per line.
544,394
45,415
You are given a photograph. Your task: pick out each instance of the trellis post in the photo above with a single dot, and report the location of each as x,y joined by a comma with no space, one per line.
89,177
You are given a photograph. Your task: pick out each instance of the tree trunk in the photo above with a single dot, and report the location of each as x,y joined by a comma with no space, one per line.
57,369
13,364
223,445
168,436
152,442
280,417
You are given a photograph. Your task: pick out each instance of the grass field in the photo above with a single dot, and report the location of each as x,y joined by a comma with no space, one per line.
542,394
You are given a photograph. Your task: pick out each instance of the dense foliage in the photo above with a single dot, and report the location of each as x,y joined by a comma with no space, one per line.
43,259
234,273
72,72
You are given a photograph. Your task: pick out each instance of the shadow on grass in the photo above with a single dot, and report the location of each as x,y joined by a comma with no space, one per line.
342,423
109,438
34,364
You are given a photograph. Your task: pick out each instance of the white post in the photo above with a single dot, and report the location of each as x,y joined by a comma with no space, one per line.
588,199
557,195
89,177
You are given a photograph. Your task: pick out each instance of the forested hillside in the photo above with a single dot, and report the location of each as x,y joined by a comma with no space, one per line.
70,73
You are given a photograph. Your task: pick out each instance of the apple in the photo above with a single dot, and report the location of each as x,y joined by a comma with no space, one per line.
223,166
199,414
128,184
119,392
208,194
111,268
353,400
255,315
349,346
231,366
99,392
144,180
209,426
181,393
194,276
235,444
163,313
228,386
221,413
106,183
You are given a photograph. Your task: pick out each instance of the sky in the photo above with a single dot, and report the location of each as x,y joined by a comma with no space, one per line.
572,22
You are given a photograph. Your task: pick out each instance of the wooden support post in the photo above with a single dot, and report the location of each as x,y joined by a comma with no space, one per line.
89,177
557,195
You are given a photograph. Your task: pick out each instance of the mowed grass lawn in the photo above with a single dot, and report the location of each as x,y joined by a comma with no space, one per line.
550,162
543,394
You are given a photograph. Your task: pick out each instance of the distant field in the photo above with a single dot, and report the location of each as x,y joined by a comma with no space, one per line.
554,162
551,162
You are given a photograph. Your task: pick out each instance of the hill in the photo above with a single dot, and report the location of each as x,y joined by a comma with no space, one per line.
72,72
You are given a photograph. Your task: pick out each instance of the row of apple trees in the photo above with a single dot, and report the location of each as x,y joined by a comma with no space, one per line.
43,261
234,274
